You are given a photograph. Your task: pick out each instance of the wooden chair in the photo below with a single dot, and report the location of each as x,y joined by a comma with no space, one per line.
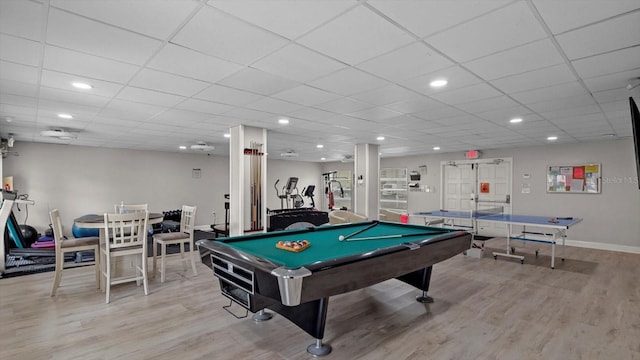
68,245
126,236
182,237
125,208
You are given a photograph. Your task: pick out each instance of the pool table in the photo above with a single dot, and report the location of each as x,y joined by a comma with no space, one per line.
257,275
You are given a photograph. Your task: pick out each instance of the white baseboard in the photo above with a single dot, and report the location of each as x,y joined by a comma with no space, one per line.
603,246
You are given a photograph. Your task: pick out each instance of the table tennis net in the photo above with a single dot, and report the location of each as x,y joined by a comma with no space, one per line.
489,211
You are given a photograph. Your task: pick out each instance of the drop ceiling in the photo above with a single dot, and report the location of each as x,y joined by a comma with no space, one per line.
171,73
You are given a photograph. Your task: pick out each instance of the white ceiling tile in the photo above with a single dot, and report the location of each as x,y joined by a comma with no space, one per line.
483,105
204,106
375,114
186,62
387,95
212,32
563,103
439,113
63,81
564,15
18,93
549,93
602,37
73,62
274,106
306,95
581,109
129,110
179,117
406,62
612,81
344,106
348,81
157,19
88,36
468,94
172,84
289,18
609,63
535,79
511,26
227,95
502,116
357,35
21,18
455,75
297,63
19,73
312,114
50,108
248,114
257,81
414,106
73,97
131,93
19,50
524,58
612,95
427,17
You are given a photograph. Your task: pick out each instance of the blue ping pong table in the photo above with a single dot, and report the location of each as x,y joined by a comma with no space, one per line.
551,230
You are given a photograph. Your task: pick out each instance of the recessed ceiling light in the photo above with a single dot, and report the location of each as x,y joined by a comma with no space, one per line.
552,138
436,148
81,85
319,146
438,83
323,158
515,120
227,135
65,116
8,119
182,147
283,121
380,138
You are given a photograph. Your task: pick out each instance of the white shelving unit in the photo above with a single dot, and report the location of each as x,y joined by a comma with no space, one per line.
394,189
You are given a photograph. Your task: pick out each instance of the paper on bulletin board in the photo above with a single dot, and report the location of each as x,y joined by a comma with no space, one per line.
574,179
526,188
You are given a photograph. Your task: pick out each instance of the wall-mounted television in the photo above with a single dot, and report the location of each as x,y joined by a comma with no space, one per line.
635,122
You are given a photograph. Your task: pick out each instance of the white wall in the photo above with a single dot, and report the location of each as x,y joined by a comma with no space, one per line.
80,180
611,218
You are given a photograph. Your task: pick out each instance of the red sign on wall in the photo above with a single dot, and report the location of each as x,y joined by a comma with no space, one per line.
484,188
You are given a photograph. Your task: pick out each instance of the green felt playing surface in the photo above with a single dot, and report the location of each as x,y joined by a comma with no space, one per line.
325,245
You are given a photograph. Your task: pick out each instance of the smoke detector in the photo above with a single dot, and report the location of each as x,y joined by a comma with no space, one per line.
202,146
59,134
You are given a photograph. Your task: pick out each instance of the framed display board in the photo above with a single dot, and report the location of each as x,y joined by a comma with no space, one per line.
581,179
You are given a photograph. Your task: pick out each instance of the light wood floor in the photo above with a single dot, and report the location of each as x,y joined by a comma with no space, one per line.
587,308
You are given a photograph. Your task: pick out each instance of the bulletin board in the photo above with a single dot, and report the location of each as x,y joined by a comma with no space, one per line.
577,179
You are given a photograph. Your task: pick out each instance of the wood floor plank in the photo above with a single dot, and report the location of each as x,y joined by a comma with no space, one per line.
587,308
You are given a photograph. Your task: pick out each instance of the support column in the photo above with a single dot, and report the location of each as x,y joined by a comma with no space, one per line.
366,170
242,157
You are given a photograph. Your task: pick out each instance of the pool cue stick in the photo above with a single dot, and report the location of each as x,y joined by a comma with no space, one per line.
382,237
253,187
343,238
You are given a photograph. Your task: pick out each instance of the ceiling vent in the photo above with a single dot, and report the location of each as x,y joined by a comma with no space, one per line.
289,154
347,158
202,146
59,134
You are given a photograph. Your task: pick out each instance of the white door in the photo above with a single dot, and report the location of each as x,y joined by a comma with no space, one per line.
459,184
471,185
493,191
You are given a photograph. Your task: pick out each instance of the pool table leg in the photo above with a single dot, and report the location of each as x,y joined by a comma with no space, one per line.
261,316
420,279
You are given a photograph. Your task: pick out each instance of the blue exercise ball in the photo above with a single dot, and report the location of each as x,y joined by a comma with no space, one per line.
79,232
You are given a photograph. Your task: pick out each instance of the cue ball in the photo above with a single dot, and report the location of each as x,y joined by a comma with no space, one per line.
341,237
